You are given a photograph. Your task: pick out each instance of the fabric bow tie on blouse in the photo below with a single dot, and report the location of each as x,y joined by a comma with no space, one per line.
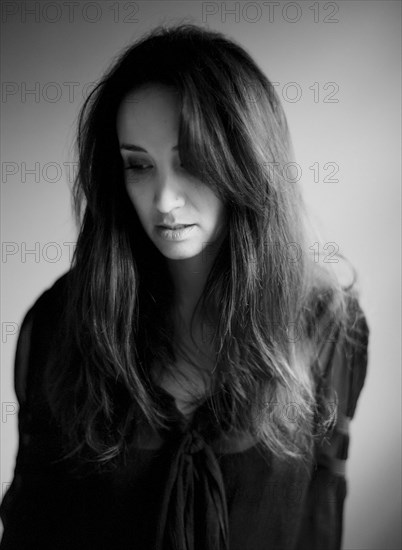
193,514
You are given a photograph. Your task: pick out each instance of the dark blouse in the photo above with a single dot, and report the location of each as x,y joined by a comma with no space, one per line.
180,489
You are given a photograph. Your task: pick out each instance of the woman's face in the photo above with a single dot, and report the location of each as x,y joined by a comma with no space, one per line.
180,214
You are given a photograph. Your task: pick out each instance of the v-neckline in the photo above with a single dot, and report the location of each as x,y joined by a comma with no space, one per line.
178,417
201,422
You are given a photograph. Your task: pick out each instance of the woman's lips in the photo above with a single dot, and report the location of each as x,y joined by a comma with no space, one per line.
177,232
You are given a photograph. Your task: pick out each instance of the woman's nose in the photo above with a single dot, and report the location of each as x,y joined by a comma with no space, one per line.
168,193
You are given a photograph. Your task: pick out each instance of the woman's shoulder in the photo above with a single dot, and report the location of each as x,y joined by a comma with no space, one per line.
52,297
36,332
336,317
47,306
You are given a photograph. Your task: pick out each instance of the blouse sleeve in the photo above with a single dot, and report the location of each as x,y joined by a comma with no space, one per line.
29,497
343,364
10,504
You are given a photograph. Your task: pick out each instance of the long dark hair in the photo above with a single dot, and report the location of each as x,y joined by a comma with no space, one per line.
234,137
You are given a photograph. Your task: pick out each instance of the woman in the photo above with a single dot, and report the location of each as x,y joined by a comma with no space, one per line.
189,382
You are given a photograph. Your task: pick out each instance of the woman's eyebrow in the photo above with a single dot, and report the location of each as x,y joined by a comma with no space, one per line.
132,147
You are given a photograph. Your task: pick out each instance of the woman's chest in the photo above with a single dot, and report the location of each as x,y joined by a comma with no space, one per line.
191,375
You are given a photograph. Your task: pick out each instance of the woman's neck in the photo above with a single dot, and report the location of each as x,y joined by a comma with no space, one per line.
189,278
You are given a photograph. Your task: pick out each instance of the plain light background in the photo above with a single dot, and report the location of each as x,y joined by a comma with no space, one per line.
54,51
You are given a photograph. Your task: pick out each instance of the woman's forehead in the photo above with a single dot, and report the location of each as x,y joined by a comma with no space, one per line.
154,89
150,113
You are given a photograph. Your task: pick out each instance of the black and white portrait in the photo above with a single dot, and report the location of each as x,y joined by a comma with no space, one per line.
200,275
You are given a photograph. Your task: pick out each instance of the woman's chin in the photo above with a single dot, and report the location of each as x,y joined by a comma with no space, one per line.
179,251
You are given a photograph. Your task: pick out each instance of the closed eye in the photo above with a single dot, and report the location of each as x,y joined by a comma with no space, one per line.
142,167
138,167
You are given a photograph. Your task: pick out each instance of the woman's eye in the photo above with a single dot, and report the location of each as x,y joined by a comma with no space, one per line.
141,167
138,167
